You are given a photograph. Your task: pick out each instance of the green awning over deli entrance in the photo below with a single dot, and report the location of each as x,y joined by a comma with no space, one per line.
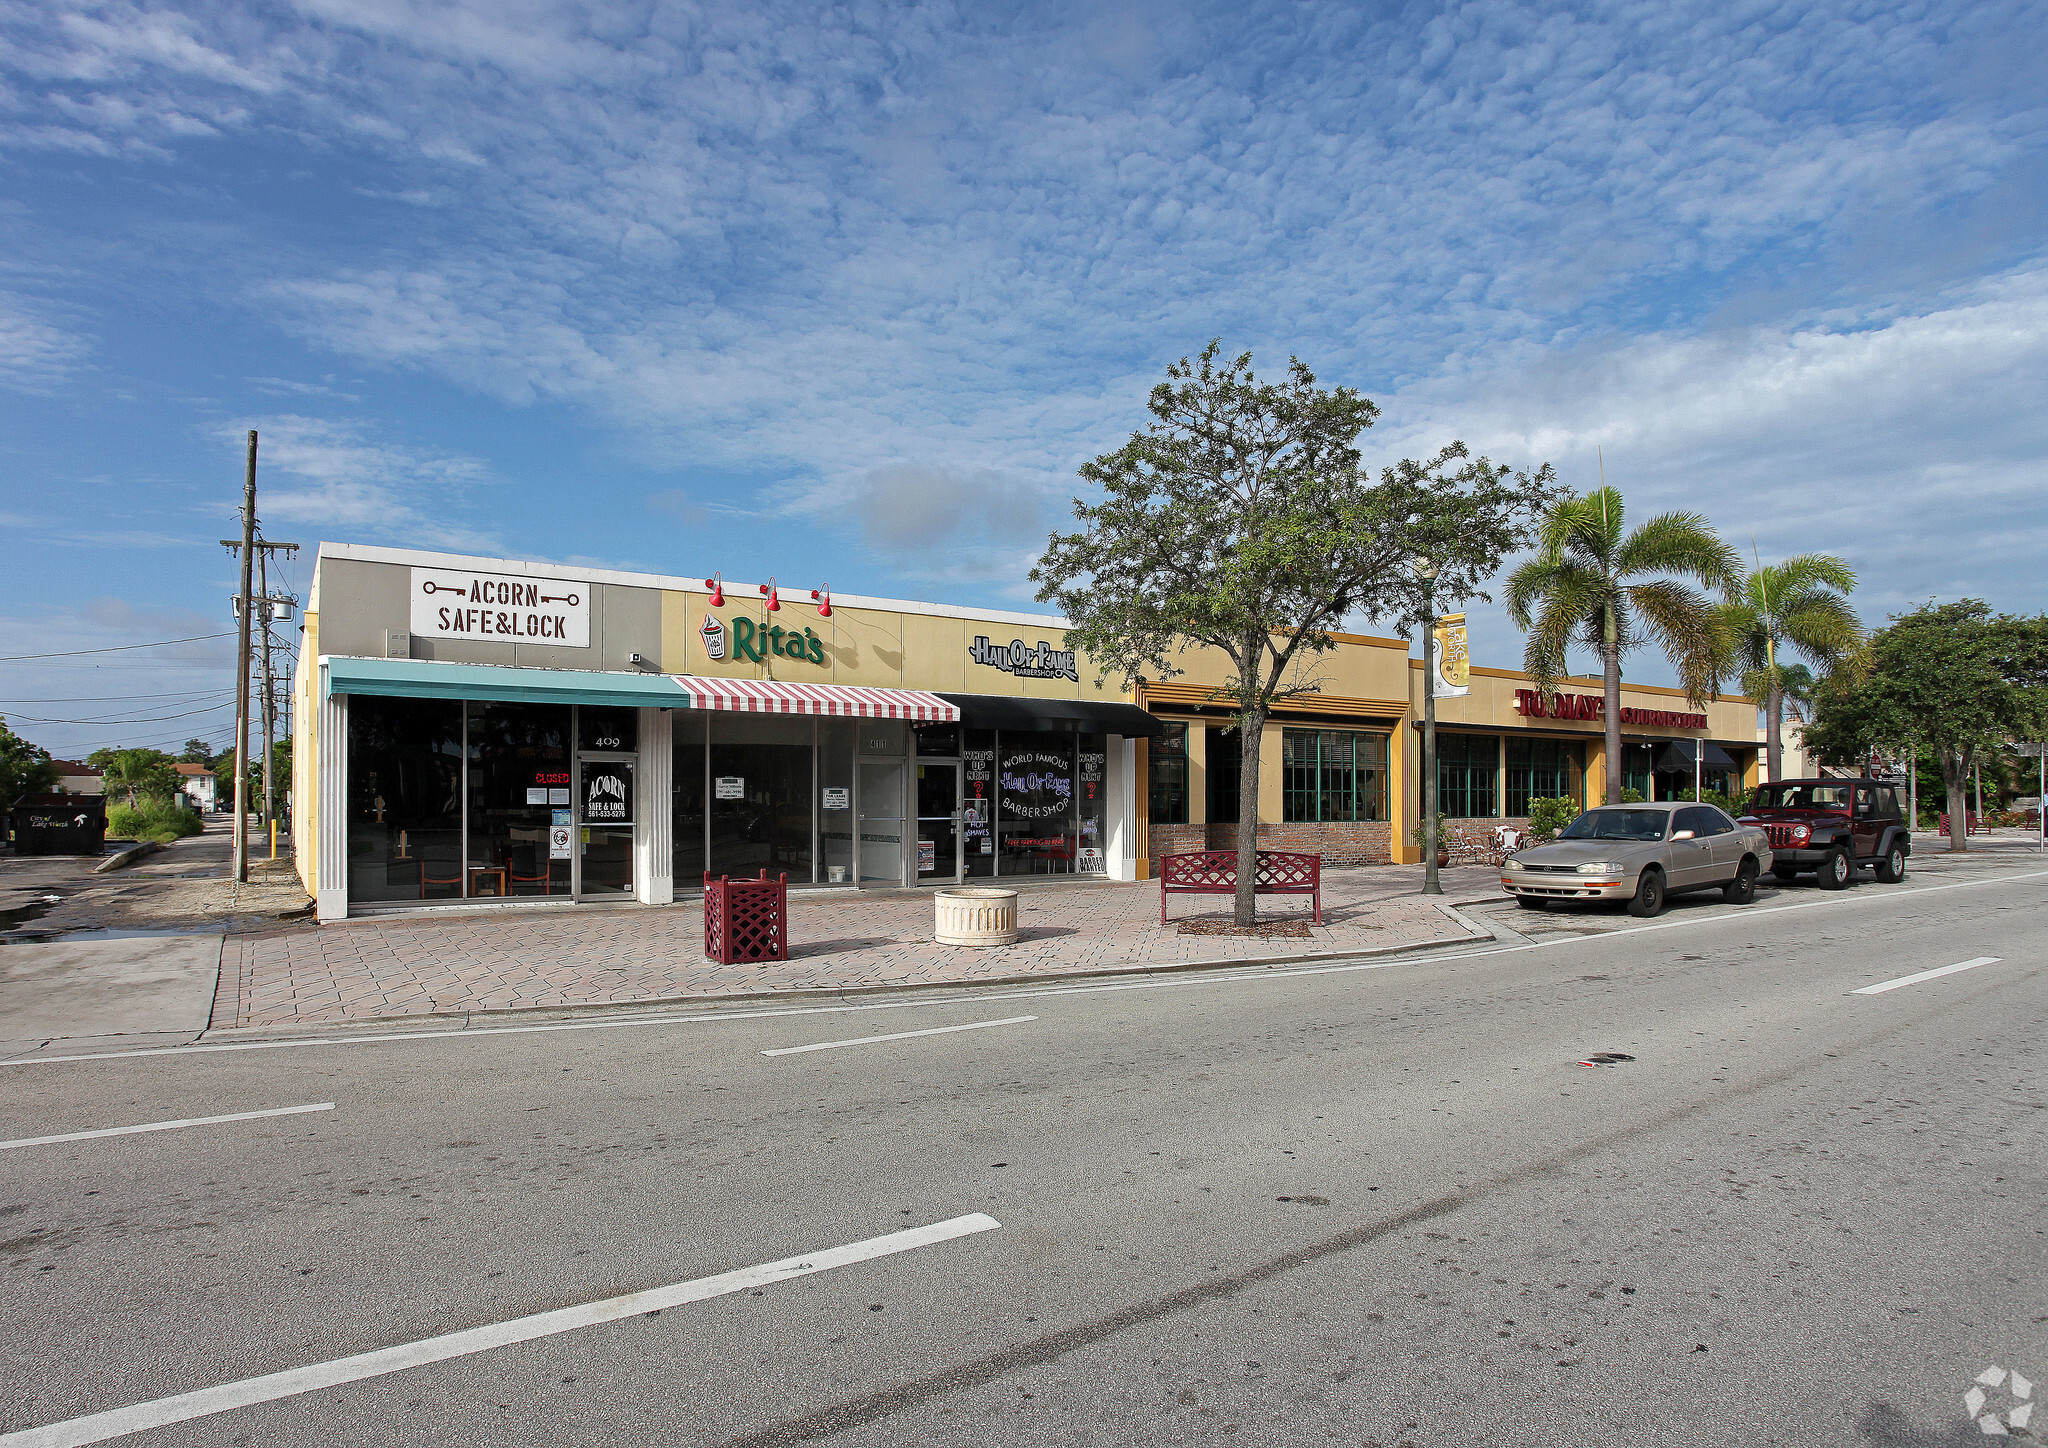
428,679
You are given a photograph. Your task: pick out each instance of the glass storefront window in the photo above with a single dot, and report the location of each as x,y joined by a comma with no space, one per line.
404,799
518,778
1467,771
1636,760
761,791
977,800
1166,776
607,731
1225,772
937,741
1036,823
835,799
1332,775
1091,803
686,799
1542,769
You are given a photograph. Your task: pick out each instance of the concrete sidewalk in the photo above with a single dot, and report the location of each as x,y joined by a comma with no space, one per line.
558,958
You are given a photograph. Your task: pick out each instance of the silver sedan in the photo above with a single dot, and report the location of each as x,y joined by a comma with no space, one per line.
1641,853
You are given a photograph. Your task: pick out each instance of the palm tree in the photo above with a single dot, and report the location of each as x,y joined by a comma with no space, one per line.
1591,584
1800,602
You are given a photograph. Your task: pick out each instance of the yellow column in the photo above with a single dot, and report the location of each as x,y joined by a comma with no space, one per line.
1404,808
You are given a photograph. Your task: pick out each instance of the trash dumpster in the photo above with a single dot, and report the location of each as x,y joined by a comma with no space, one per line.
746,920
60,824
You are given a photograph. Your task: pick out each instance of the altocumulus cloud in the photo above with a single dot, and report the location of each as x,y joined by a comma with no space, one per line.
892,253
336,475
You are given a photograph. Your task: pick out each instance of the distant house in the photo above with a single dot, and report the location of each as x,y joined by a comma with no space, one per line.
74,778
200,786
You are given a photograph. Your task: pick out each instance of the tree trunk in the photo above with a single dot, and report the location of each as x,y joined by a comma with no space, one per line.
1247,911
1955,775
1610,680
1774,736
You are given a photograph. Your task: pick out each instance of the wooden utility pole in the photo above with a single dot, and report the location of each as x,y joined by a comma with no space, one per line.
246,607
269,686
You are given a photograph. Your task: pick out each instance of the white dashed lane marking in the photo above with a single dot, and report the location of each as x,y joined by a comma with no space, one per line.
1914,979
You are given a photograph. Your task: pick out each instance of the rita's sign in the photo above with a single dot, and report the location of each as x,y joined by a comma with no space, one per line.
750,640
450,603
1592,706
1026,662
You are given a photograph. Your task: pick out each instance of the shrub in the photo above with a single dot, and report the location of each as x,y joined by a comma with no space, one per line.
1631,796
155,819
1442,834
1548,816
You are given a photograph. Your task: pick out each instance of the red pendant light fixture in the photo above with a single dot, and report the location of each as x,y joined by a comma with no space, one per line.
716,583
774,599
823,598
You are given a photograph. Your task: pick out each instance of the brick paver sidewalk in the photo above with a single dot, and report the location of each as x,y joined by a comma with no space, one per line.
486,961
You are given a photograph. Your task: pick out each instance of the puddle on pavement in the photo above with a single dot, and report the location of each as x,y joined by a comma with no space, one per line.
13,920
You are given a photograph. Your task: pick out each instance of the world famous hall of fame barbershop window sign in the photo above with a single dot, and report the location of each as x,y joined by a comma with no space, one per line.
1035,800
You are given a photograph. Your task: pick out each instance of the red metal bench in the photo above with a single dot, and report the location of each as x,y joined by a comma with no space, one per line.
1973,824
1214,872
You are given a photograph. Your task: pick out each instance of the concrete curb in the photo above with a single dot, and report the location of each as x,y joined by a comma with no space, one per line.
664,1005
126,857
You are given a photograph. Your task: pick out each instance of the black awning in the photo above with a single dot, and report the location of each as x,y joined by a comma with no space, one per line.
1008,711
1677,757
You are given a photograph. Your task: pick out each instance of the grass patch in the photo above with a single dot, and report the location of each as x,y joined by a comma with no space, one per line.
157,820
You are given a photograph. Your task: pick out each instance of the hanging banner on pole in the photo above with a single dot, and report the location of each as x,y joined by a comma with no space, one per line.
1453,658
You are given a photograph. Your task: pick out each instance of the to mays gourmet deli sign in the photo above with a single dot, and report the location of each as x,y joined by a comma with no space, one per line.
448,603
1592,706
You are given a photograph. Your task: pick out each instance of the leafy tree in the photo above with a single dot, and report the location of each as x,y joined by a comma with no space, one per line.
1239,519
139,774
196,752
1953,678
25,768
1800,604
1592,584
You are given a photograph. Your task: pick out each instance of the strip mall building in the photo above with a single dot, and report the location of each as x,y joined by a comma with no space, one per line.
490,731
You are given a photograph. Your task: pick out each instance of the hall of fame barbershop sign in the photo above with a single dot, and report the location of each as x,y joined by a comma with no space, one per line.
1025,661
452,603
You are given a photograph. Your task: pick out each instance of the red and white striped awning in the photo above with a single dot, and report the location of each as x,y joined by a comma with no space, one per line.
847,701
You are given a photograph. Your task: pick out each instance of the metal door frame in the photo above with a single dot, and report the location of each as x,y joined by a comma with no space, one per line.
577,824
959,768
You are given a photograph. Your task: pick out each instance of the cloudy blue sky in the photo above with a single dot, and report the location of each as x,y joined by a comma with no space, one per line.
845,293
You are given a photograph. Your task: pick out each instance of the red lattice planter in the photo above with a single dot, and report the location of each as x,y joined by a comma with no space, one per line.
746,920
1214,872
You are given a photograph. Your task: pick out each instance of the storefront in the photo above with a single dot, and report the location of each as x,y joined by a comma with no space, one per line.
479,731
476,732
1341,758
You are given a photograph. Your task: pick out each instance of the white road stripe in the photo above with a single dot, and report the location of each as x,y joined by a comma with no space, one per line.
1884,985
160,1126
99,1427
1169,978
898,1036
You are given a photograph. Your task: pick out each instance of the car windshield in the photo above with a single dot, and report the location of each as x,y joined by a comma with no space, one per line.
1803,796
1617,824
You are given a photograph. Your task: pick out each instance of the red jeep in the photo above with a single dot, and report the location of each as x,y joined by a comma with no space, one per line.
1831,826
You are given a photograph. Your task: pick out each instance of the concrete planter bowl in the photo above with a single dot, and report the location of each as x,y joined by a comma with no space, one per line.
973,916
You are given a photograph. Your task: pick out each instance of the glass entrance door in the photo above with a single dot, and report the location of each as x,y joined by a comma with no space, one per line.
604,826
938,823
881,821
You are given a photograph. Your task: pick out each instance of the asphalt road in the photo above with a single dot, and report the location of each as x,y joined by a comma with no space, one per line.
1368,1206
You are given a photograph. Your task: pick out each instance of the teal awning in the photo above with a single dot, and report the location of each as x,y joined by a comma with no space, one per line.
428,679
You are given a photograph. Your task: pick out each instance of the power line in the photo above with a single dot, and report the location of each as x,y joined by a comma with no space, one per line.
165,696
122,723
115,649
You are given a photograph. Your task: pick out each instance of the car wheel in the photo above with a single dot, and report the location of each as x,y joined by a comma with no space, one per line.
1530,902
1783,872
1648,901
1742,889
1836,869
1892,868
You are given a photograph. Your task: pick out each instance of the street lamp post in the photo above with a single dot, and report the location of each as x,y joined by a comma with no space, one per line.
1431,885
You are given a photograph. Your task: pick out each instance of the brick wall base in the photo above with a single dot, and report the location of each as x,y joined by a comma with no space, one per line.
1365,842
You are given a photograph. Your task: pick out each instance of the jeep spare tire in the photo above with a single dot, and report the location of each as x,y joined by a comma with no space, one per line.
1836,869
